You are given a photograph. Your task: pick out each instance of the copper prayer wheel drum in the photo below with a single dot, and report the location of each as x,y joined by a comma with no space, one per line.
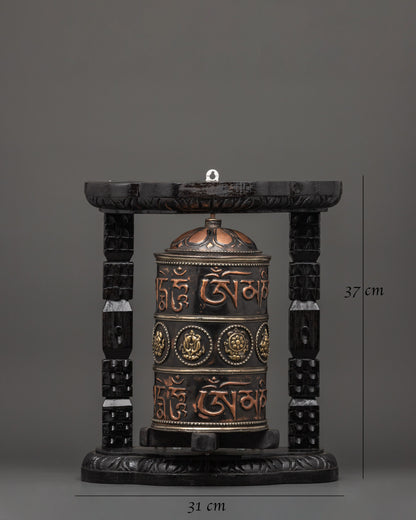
211,334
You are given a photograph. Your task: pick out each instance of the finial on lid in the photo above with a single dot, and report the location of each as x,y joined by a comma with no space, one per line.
212,222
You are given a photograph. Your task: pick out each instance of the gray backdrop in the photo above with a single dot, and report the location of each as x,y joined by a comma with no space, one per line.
164,90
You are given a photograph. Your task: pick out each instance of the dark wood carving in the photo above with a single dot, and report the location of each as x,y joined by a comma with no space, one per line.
118,281
304,331
304,378
181,467
304,424
304,236
117,427
118,237
304,282
117,378
222,197
117,334
210,441
117,373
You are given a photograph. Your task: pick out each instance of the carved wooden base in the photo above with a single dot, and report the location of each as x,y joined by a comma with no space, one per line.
181,467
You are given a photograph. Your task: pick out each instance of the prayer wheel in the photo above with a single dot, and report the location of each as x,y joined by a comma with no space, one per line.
211,333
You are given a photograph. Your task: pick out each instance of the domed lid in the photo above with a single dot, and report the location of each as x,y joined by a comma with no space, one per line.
213,239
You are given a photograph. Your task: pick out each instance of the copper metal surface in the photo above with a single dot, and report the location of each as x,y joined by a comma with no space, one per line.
211,335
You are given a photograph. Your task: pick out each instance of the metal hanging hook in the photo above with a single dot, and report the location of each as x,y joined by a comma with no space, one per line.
212,176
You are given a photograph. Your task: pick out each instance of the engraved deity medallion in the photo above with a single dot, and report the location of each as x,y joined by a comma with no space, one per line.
263,342
160,342
191,346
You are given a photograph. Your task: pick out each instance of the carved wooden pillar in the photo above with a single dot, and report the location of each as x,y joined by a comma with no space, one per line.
304,330
117,330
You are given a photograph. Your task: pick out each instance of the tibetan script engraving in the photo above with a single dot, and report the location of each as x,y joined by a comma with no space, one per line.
218,286
169,399
172,291
232,399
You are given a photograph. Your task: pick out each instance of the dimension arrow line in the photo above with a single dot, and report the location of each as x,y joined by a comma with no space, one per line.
362,327
202,496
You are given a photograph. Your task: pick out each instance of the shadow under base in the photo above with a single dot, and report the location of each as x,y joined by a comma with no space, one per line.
182,467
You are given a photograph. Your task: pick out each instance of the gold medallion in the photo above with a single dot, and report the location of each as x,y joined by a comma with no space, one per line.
193,345
160,342
235,344
263,342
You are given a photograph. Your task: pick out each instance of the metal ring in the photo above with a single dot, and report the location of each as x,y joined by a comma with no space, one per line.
212,176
